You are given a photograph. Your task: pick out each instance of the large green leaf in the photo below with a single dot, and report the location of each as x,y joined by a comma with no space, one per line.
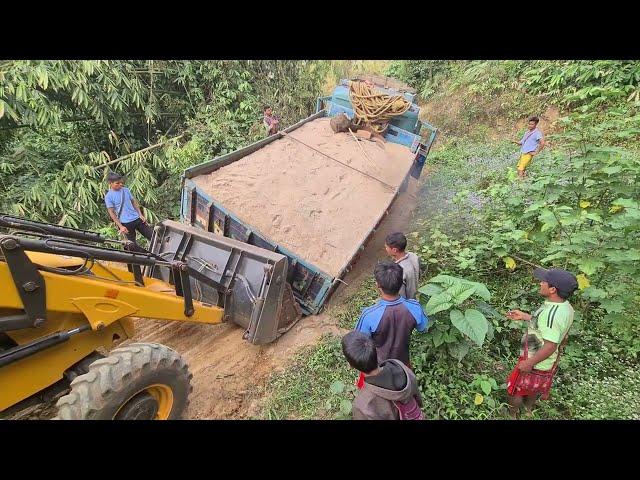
482,291
630,255
590,265
337,387
439,303
594,293
445,280
461,292
489,310
438,338
449,281
612,305
472,323
345,407
430,289
485,385
548,220
627,203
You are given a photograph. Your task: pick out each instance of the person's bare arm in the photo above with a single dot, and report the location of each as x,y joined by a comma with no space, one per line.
540,146
545,352
136,205
114,217
518,315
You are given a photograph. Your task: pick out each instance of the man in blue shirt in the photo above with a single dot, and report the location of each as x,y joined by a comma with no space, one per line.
532,143
125,211
392,319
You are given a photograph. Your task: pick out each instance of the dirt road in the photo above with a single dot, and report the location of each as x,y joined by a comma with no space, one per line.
228,372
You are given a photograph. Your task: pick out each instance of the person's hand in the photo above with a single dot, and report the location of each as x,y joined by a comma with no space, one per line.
516,315
123,229
526,366
144,220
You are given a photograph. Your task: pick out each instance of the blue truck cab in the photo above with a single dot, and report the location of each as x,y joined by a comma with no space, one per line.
406,129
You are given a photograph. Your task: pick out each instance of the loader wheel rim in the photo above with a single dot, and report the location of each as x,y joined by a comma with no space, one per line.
156,406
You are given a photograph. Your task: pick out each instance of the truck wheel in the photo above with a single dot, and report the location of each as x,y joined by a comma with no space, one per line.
141,381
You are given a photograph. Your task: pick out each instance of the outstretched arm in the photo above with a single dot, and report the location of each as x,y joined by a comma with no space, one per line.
518,315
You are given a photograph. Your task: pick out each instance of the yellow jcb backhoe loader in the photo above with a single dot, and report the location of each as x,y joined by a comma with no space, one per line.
61,303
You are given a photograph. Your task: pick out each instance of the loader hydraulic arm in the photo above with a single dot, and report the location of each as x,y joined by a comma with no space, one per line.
142,294
24,224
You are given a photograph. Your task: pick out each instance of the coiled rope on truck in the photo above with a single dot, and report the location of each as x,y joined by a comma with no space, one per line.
375,109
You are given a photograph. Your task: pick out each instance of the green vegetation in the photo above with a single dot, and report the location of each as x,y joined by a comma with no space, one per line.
315,386
64,124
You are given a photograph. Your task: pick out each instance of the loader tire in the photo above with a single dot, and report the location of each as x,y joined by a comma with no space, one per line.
140,381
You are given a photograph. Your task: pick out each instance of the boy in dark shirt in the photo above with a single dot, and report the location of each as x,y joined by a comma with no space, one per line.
392,319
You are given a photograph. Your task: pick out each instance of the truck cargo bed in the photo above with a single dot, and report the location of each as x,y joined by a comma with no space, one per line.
311,277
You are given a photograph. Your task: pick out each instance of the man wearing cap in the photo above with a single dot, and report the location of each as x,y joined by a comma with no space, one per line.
548,326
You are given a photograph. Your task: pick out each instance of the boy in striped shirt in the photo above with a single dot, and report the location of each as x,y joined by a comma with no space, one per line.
547,328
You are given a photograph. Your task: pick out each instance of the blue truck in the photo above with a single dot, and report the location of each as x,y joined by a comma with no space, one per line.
310,286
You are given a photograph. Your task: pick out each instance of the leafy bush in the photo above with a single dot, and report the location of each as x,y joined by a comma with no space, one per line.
65,124
445,292
581,213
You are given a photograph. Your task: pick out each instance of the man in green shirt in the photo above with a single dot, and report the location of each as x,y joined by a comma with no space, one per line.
547,328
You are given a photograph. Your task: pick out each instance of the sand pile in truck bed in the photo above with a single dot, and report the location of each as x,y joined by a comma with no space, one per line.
313,206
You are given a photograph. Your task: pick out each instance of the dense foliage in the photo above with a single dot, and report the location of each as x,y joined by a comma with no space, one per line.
65,124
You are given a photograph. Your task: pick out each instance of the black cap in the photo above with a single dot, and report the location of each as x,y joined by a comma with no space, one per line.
565,282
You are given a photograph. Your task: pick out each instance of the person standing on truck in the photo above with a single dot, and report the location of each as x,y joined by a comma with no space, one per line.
125,211
392,319
531,143
547,332
271,122
395,245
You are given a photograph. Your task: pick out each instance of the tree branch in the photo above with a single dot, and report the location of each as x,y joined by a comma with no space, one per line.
527,262
146,149
562,229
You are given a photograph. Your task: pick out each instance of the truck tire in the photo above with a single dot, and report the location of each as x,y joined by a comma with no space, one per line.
140,381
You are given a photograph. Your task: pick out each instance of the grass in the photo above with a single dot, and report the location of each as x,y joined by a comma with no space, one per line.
349,312
304,390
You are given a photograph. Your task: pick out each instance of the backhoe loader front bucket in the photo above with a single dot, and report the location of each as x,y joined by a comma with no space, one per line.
249,282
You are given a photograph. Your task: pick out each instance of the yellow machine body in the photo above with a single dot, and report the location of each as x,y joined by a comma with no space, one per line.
106,298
